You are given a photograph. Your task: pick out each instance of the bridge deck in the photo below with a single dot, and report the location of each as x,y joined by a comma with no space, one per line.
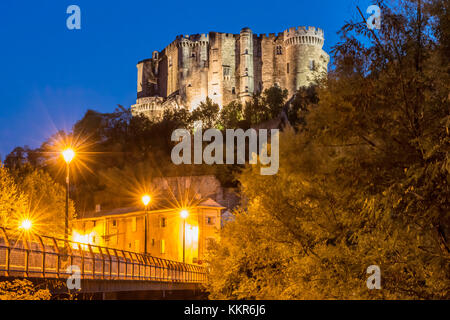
34,256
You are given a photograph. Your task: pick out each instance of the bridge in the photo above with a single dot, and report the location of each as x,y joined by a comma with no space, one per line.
102,270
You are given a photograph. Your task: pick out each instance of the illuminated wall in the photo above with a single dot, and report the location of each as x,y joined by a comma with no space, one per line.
165,232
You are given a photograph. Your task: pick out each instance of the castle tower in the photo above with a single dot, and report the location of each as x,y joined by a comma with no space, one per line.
203,44
246,65
304,56
185,65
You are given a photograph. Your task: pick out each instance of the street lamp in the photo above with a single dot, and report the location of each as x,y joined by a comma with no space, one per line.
68,155
145,200
184,214
26,225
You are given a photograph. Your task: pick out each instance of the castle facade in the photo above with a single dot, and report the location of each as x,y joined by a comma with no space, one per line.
227,67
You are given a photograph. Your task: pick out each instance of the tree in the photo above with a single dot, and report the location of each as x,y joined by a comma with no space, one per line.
364,181
298,107
47,202
231,116
265,106
207,112
22,290
13,202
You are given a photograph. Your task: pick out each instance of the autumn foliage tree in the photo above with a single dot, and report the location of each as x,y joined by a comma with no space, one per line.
365,181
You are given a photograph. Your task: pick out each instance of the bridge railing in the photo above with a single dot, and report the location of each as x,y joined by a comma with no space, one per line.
36,256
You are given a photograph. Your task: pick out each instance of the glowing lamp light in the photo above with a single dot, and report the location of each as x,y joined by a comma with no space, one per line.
146,199
83,239
26,225
68,155
184,214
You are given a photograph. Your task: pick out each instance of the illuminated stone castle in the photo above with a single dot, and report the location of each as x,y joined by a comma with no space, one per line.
227,67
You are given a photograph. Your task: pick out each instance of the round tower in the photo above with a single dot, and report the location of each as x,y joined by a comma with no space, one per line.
246,64
304,56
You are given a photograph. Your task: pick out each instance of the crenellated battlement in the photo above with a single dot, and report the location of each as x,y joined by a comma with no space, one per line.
304,31
304,35
200,39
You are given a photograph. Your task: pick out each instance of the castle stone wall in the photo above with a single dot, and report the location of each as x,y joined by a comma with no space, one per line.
227,67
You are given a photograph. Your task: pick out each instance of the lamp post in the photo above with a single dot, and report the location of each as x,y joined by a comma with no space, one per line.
26,225
145,200
68,156
184,214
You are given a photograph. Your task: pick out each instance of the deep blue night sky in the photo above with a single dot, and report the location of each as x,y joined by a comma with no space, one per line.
50,75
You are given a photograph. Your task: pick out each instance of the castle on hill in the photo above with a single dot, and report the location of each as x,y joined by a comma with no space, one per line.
227,67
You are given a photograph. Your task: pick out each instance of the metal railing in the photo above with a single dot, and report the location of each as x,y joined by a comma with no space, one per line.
48,257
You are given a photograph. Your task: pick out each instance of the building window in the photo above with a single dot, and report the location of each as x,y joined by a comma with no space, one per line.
170,61
153,242
114,223
279,50
133,224
287,68
163,246
246,51
312,65
163,222
210,220
233,90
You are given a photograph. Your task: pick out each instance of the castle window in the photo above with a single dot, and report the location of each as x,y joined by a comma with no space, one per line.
287,68
170,61
233,90
279,50
163,222
226,72
246,51
312,65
